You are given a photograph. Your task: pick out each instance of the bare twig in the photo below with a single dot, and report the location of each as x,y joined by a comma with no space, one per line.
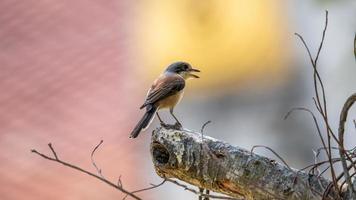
119,182
318,164
202,131
185,187
204,125
322,109
275,153
315,122
306,47
153,186
201,148
316,105
57,160
92,159
53,151
316,157
322,38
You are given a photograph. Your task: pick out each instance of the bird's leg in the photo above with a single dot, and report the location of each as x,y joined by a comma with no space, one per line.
177,125
160,120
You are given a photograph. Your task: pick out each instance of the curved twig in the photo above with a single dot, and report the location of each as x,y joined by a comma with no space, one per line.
322,109
57,160
343,116
315,122
275,153
92,159
153,186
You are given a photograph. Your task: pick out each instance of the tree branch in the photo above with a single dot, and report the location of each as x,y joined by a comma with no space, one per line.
57,160
343,116
233,171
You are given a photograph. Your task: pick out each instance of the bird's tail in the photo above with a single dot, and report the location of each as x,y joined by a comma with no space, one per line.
144,122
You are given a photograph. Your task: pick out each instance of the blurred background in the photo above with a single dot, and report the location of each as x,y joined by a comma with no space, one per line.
75,72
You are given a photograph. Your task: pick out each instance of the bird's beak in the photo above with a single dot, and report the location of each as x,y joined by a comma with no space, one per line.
193,75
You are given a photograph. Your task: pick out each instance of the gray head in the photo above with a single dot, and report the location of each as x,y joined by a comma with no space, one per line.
182,68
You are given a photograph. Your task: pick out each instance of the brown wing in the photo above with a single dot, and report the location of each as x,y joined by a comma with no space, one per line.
164,87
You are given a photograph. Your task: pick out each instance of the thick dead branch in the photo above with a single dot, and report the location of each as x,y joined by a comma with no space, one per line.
230,170
343,116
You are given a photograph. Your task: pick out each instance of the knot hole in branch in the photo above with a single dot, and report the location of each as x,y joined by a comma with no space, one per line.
160,154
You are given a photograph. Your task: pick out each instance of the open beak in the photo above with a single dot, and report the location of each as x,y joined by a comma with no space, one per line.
193,75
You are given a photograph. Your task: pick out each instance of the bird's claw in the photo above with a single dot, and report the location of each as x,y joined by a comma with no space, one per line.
167,126
176,126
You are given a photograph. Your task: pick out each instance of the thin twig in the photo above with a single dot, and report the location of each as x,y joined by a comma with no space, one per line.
306,47
201,149
185,187
275,153
322,109
316,105
316,157
119,182
204,125
323,148
92,159
153,186
322,38
315,122
202,131
318,164
57,160
53,151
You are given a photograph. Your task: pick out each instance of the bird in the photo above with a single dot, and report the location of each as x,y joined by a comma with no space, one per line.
165,93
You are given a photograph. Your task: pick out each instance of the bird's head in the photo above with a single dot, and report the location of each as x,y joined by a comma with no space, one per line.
183,69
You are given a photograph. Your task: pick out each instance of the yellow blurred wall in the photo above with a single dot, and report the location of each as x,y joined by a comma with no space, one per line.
230,41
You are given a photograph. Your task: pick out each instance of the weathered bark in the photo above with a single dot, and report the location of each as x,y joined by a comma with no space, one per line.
220,167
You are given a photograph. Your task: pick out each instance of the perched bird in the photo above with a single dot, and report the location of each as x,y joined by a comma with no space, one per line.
165,92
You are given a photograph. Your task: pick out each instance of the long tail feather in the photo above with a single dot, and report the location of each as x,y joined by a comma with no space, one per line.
144,122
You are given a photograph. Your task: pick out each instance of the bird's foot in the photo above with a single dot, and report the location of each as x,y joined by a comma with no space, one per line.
166,126
176,126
